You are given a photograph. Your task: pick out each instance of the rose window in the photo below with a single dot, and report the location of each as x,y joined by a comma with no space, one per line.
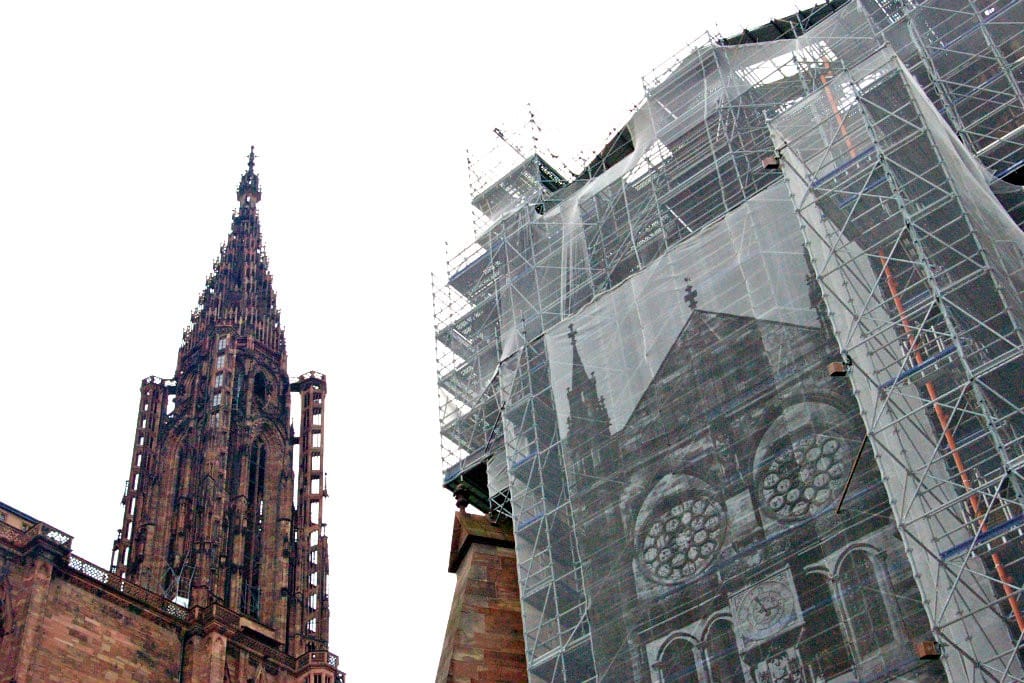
682,538
803,476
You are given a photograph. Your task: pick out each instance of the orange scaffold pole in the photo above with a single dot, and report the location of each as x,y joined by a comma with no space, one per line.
825,78
947,434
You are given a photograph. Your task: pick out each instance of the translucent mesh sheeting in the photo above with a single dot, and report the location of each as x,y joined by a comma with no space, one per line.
701,451
919,266
966,58
639,354
730,268
695,153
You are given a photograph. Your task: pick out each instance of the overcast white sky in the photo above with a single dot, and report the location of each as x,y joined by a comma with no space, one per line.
124,128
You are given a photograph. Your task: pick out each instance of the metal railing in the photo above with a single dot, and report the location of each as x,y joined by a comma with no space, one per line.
20,538
97,573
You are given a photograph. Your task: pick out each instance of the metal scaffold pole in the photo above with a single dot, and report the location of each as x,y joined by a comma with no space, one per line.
904,265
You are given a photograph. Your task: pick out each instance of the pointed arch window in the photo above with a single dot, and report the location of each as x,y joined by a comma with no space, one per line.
713,658
253,546
826,652
260,389
867,613
677,660
721,655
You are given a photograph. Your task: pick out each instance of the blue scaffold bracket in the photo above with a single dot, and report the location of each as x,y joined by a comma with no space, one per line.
919,367
982,538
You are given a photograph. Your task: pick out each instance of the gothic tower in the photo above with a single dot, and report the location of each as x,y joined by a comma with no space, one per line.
213,512
588,430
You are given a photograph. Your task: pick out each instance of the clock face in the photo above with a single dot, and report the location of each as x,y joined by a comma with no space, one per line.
765,609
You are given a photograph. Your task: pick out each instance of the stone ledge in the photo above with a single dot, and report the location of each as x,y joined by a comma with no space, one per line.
470,529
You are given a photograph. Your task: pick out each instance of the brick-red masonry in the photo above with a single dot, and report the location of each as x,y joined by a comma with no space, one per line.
85,637
484,641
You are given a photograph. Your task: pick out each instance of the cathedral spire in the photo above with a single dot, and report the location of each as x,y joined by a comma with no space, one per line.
239,294
219,509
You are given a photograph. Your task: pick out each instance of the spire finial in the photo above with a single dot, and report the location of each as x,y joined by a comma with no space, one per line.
249,187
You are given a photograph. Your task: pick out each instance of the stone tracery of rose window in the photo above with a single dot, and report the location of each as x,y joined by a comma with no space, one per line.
680,529
802,461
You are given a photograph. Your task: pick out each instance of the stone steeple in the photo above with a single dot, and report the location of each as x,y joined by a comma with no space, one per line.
239,293
211,511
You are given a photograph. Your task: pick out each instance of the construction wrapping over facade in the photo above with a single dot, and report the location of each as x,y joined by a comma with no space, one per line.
750,383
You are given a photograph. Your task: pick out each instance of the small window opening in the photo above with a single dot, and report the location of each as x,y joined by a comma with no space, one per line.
259,389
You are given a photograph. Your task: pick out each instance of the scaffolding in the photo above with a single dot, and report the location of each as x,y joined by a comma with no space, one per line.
922,274
632,359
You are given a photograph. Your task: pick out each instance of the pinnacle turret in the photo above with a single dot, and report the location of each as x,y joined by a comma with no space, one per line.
249,188
588,430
